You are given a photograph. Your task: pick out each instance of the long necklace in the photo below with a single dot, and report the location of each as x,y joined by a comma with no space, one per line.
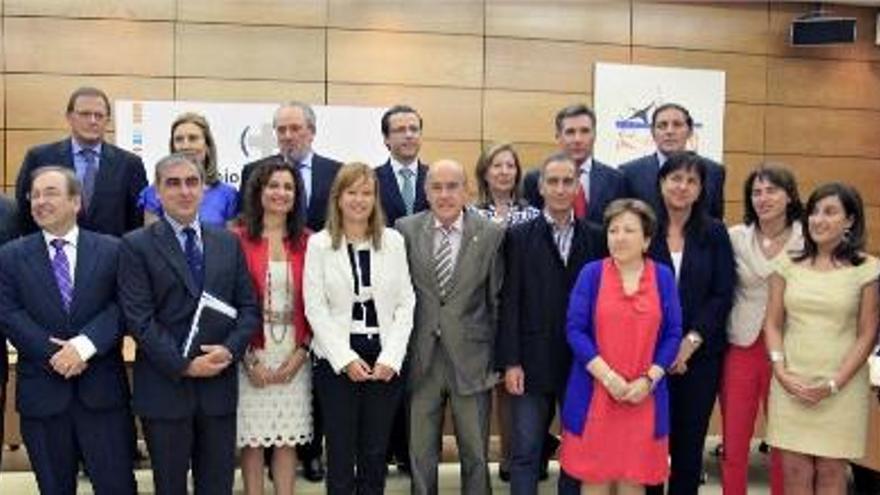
768,241
271,315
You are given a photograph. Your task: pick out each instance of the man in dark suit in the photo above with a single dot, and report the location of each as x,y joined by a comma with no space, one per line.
457,270
543,258
671,127
58,307
8,231
599,184
111,177
295,125
402,176
402,192
187,404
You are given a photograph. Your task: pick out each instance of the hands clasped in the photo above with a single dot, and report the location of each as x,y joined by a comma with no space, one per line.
359,371
261,375
66,361
621,390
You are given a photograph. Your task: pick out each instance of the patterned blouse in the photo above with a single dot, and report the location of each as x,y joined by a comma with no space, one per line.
516,213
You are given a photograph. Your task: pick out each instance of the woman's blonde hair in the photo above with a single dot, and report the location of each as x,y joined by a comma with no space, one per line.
348,175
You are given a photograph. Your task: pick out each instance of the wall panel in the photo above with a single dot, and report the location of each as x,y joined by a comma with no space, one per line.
39,101
823,132
744,128
199,89
404,58
80,46
288,12
594,21
17,144
546,65
447,113
123,9
719,26
524,116
446,16
259,52
818,83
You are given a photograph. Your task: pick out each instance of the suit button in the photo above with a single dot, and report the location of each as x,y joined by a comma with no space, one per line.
437,333
442,303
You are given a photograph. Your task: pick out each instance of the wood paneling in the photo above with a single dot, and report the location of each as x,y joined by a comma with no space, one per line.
247,91
872,224
532,154
737,167
744,127
403,58
123,9
39,101
447,16
259,52
823,132
781,15
725,27
546,65
811,171
744,81
595,21
83,46
823,83
447,113
524,116
464,152
288,12
17,144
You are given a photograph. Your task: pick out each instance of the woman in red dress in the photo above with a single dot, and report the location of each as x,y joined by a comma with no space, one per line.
624,327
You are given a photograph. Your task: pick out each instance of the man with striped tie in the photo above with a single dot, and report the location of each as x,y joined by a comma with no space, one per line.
58,307
456,267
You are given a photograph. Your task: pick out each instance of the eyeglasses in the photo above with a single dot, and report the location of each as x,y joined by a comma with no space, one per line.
412,129
87,115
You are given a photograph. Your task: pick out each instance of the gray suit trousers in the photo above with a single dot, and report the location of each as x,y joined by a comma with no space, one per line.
470,414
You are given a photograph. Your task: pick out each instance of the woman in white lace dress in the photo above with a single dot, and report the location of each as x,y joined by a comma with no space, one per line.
275,383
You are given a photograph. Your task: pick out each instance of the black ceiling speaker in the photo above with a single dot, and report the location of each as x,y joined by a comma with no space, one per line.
817,30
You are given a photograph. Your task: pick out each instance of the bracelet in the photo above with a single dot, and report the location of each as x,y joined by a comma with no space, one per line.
651,382
832,387
776,356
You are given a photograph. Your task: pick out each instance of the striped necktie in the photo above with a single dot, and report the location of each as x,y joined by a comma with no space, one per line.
61,270
443,261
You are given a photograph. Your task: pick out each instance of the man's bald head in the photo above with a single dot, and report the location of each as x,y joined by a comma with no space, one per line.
446,189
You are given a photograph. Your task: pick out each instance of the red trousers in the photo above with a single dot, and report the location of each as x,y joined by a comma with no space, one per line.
745,382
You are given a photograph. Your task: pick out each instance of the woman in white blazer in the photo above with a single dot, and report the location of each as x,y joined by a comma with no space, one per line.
359,301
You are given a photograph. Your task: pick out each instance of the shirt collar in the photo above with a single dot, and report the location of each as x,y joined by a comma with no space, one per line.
178,227
661,158
69,238
456,225
586,165
550,220
76,147
398,166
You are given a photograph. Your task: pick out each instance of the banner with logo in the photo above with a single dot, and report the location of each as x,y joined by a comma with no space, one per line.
625,96
243,132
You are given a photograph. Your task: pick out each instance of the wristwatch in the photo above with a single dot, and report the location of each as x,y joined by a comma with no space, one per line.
832,387
694,338
776,356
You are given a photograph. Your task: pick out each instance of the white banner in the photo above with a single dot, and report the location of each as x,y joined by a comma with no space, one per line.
625,96
243,132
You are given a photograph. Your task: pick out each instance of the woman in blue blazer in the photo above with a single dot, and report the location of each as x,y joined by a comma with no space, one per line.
698,249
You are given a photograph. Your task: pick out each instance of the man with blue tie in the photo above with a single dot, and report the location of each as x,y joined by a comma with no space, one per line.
186,400
671,127
295,125
8,231
58,307
598,184
402,176
111,177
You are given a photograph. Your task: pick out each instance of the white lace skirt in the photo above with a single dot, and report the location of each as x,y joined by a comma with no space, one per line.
279,414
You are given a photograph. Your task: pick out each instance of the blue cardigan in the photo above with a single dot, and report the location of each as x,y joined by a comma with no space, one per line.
582,339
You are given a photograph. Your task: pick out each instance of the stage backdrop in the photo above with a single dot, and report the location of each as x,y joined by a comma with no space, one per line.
243,132
625,96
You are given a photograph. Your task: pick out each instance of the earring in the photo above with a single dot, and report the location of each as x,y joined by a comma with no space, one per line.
847,236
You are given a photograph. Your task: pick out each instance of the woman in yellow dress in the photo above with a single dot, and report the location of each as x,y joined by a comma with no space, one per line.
820,327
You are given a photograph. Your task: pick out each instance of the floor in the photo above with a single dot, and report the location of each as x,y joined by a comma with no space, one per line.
22,482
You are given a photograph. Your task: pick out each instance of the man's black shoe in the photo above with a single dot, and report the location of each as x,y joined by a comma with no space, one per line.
313,470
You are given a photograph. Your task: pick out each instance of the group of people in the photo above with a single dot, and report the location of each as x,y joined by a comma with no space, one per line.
346,305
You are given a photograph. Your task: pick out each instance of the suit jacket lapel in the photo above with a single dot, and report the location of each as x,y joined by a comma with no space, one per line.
85,264
425,245
169,247
38,260
388,182
469,235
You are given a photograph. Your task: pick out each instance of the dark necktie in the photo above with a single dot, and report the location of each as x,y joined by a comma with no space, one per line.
89,174
61,270
194,256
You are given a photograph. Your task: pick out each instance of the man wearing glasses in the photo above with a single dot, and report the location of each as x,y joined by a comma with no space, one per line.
402,176
111,177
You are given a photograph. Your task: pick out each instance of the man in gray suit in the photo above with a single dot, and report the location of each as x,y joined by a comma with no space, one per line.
457,270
